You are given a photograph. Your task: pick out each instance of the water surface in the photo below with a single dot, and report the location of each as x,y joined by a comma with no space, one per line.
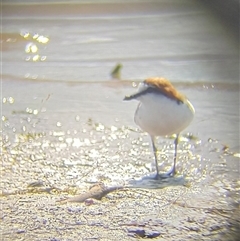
80,41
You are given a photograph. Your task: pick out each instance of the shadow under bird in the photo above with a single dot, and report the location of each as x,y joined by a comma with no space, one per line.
161,111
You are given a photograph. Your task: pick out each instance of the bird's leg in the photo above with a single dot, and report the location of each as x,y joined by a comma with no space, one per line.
155,156
172,172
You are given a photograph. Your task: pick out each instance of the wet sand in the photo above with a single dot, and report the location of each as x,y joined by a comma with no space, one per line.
59,139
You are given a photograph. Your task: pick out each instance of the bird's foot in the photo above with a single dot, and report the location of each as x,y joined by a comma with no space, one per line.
161,176
170,173
158,177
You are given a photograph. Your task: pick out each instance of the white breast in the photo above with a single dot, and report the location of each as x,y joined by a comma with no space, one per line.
159,115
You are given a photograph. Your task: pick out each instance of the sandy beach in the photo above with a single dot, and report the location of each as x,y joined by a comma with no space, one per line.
65,127
56,144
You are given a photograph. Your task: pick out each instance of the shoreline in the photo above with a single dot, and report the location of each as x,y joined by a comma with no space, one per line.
114,83
217,112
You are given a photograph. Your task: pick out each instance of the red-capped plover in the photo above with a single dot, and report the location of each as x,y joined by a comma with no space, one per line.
162,111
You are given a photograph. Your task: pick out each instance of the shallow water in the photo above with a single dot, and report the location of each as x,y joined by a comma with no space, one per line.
84,41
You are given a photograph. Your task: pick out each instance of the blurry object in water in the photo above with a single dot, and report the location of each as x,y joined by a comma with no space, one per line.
116,72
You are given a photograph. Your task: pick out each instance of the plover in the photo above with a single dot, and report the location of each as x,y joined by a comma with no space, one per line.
161,111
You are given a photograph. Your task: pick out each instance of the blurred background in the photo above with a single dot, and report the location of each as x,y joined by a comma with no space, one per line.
185,41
